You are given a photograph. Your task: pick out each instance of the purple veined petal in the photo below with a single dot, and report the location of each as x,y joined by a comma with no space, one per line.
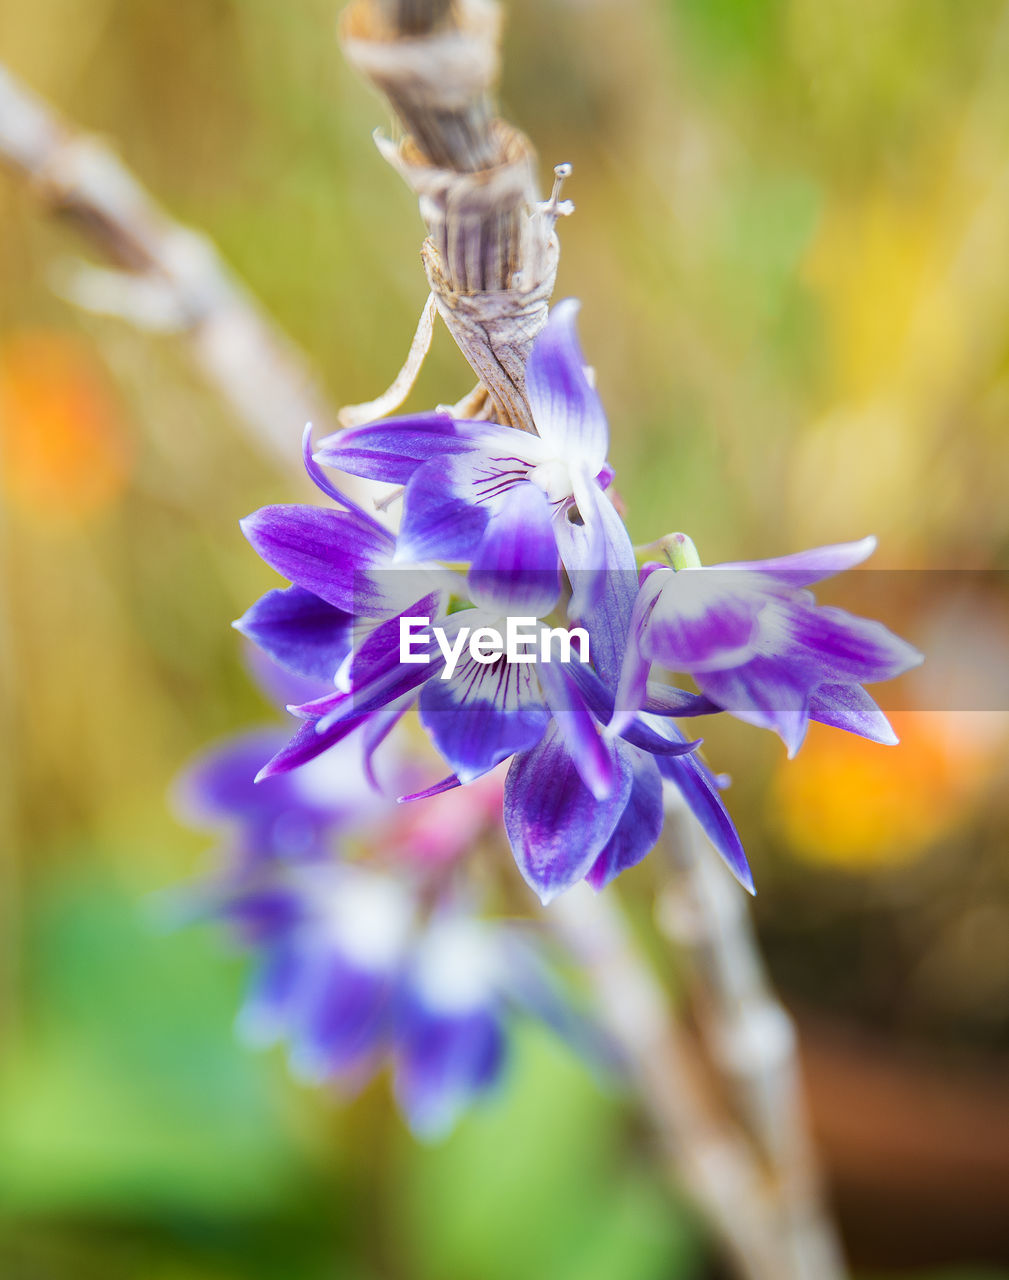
604,592
393,448
441,518
449,500
703,619
373,679
566,407
556,827
339,1016
263,1017
845,646
328,553
593,756
806,567
700,791
766,692
443,1063
515,568
638,827
848,706
483,715
299,631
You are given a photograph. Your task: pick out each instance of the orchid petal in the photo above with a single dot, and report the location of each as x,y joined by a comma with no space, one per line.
326,552
700,791
555,825
442,518
766,692
593,756
299,631
844,646
601,565
482,715
393,449
806,567
515,567
566,407
339,1016
443,1062
848,706
639,826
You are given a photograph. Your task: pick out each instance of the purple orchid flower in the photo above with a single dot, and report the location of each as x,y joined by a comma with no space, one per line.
473,489
758,645
598,788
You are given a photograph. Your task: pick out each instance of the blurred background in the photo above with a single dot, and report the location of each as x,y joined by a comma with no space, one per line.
792,246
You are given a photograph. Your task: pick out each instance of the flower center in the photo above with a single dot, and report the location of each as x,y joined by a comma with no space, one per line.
554,478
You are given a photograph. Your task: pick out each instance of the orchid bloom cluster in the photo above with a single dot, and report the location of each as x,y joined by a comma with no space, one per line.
357,966
497,524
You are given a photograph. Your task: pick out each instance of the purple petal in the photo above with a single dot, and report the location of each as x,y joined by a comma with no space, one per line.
329,553
701,619
393,449
766,692
515,567
307,744
482,715
699,789
443,1062
325,485
845,646
442,519
667,700
639,826
593,756
806,567
340,1016
220,782
299,631
435,789
601,565
848,706
556,827
637,731
566,407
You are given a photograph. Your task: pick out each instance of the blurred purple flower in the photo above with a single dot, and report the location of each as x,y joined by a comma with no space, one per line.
349,977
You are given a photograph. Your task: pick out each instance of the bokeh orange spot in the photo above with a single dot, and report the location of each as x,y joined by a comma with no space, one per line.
847,802
65,454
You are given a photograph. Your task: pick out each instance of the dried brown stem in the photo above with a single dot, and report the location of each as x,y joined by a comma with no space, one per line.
750,1038
491,253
